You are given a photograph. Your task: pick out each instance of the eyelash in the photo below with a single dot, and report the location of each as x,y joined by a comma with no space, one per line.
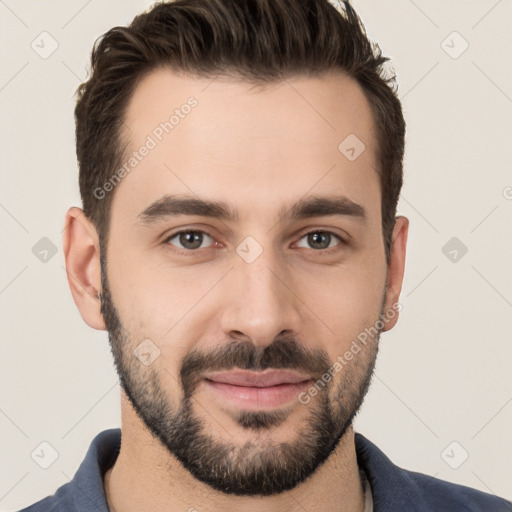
191,251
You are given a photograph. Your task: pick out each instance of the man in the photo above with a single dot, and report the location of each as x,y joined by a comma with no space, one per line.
240,166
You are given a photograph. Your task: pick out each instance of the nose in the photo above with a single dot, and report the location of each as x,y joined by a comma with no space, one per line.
261,300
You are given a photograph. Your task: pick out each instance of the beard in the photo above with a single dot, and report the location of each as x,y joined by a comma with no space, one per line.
260,467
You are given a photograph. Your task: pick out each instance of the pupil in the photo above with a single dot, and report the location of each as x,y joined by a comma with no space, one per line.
191,237
314,238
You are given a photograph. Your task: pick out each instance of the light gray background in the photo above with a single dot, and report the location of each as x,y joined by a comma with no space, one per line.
443,374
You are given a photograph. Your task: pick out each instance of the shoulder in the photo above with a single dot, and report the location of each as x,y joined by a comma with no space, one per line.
60,501
85,491
395,488
443,495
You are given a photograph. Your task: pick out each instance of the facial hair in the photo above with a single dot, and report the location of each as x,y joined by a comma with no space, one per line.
256,468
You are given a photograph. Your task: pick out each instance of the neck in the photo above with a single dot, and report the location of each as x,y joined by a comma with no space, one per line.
146,477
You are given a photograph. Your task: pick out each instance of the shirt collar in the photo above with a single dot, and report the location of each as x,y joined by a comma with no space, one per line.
88,490
392,488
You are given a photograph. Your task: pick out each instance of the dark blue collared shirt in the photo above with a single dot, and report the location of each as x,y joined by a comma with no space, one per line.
393,489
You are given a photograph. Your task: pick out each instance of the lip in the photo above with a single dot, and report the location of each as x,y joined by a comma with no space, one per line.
259,379
257,390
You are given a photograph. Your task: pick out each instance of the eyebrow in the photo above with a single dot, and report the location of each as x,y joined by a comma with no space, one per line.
312,206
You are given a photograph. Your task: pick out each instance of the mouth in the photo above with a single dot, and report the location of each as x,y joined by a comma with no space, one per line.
257,390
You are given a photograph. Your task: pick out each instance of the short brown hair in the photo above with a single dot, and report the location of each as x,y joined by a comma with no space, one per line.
256,41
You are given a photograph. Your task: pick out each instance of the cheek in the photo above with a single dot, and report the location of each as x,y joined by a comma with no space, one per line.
347,300
160,305
148,294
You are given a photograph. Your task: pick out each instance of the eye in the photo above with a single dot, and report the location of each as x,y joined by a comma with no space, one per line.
321,240
189,239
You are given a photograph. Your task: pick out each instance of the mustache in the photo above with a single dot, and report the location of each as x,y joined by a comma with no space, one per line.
280,354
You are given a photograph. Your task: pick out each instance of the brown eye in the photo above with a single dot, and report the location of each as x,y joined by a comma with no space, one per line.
188,239
321,240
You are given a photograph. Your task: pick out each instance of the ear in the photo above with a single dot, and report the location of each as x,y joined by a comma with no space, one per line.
396,269
80,242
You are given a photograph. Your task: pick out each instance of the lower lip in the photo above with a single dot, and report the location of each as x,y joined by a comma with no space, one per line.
258,398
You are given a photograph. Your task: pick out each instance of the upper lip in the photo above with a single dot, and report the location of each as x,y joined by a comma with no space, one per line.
258,379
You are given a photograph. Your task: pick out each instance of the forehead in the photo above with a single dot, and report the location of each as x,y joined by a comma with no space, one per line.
228,140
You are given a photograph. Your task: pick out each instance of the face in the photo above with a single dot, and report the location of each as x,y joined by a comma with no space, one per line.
286,273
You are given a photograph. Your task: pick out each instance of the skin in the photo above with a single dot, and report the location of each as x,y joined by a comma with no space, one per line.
259,150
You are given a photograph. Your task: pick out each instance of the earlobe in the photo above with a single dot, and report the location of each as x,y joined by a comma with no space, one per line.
396,269
82,255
